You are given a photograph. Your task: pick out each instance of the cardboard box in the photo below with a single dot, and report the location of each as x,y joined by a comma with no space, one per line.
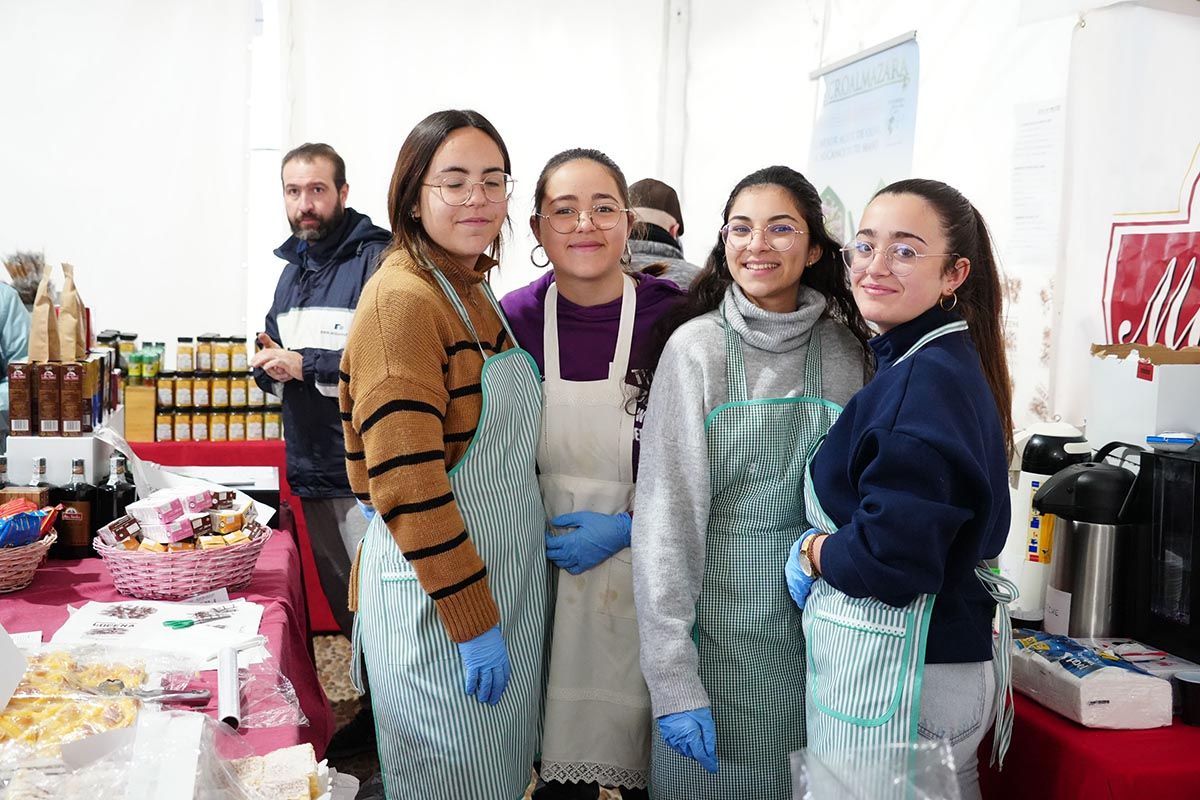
39,496
1139,390
21,398
48,397
71,399
140,404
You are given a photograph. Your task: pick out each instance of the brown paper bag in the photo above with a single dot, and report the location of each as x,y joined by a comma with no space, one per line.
72,319
43,330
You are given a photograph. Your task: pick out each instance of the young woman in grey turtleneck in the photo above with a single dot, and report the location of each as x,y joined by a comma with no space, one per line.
719,479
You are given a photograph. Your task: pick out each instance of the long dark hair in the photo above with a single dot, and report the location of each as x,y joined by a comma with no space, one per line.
827,274
413,162
980,301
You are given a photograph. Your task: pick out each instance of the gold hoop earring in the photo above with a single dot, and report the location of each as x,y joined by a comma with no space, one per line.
533,253
953,302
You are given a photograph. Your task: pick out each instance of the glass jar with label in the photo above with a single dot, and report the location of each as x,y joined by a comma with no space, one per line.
133,374
185,355
204,354
127,345
272,424
201,391
150,365
238,389
183,424
199,425
166,390
164,425
273,401
255,396
254,424
239,361
220,390
220,351
237,424
218,426
183,388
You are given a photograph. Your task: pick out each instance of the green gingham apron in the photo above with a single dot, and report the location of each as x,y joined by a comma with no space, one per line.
435,741
749,641
866,662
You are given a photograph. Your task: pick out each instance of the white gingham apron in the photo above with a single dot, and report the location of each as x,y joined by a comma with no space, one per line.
866,662
435,741
748,633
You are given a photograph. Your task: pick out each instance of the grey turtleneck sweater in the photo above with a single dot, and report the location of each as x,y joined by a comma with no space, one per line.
673,495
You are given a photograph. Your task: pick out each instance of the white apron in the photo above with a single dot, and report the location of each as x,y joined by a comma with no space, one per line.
597,726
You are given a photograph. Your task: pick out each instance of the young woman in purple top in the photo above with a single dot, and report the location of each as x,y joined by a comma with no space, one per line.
588,325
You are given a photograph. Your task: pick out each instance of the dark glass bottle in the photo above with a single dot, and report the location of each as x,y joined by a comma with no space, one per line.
38,479
114,494
74,526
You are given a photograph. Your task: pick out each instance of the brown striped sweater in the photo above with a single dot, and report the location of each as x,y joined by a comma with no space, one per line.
410,399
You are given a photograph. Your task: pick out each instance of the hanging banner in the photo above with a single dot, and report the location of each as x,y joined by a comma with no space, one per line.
863,136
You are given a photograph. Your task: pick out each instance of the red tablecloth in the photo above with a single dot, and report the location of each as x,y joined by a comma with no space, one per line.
251,454
275,585
1051,756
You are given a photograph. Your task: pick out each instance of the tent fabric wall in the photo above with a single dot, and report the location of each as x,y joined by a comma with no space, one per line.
125,154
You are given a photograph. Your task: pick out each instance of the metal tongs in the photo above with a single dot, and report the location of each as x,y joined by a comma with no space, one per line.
195,697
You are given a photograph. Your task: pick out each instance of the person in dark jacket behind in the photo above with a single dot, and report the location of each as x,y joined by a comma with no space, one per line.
654,240
332,252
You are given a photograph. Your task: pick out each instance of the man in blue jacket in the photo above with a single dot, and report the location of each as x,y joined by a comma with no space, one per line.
331,253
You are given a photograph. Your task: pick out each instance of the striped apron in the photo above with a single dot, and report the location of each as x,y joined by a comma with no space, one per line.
435,741
866,661
749,641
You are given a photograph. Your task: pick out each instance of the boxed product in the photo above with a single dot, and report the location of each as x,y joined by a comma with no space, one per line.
1151,659
196,501
71,403
49,398
232,519
20,399
185,527
119,530
1098,690
159,508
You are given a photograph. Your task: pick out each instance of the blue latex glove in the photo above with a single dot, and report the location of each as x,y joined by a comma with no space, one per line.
485,659
692,734
596,538
368,511
799,584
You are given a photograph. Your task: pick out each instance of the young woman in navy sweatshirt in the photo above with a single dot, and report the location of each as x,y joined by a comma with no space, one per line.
909,492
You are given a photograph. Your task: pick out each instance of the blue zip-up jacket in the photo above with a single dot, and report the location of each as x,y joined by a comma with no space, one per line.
314,303
915,474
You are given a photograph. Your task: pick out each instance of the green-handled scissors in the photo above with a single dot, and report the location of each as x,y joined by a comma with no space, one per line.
180,624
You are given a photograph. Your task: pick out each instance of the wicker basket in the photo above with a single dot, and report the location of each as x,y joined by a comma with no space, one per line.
17,564
181,574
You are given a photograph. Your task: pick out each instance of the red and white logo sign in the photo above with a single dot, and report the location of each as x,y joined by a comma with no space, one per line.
1151,285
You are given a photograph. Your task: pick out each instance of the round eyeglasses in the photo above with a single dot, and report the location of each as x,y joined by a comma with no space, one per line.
779,237
604,216
458,191
901,259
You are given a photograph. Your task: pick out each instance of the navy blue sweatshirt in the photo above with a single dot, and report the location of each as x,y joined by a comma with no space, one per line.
314,303
915,474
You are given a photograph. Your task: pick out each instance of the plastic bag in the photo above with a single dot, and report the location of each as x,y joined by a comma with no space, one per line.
268,698
924,771
68,694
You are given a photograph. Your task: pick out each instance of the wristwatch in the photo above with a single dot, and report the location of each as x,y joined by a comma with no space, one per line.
807,565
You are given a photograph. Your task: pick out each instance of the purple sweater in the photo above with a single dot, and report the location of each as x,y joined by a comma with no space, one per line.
587,335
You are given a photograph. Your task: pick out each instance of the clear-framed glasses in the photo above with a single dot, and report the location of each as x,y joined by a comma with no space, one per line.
900,258
604,216
779,236
456,190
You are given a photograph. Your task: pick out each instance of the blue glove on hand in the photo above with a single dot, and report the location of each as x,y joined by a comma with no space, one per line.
486,660
692,734
596,538
799,584
367,510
